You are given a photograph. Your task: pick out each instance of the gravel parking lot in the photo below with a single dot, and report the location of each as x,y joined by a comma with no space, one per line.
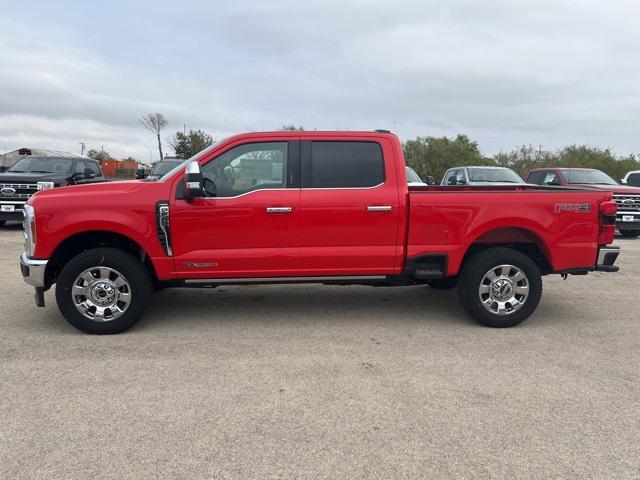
324,382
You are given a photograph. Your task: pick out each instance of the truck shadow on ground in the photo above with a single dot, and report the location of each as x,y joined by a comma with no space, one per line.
303,304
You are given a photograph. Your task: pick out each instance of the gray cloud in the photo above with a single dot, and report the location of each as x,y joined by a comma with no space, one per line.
506,73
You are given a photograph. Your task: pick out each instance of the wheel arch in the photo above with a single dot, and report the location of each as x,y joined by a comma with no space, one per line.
523,239
88,240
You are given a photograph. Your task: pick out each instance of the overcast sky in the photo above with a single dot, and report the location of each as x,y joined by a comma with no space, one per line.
504,72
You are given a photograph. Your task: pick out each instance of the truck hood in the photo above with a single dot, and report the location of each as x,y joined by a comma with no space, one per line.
28,177
89,189
618,189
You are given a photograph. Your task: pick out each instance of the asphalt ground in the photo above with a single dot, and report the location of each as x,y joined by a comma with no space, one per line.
324,382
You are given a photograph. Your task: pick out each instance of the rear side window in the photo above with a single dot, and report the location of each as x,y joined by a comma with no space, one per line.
344,165
536,178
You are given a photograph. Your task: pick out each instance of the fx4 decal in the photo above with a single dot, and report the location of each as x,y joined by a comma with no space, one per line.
573,207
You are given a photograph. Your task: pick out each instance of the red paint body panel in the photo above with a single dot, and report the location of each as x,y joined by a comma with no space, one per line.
328,231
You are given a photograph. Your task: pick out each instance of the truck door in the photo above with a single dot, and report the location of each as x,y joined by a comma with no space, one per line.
349,208
250,227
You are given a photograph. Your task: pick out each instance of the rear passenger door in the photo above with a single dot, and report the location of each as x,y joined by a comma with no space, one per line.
349,208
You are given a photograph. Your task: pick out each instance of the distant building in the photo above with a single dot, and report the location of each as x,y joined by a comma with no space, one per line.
119,168
10,158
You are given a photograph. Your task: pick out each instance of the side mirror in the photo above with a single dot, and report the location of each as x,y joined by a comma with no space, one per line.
88,173
430,180
193,181
623,181
452,181
140,174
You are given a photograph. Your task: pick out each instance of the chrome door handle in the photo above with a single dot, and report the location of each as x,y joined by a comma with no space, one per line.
279,209
379,208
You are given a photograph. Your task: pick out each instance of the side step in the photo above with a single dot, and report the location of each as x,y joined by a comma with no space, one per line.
427,272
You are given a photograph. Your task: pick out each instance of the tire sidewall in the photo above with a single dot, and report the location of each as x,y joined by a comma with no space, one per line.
130,267
475,270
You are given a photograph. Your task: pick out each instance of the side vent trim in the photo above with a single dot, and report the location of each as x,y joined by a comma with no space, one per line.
163,227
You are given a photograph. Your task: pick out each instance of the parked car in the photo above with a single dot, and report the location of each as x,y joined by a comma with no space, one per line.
413,179
159,169
627,197
32,174
632,179
481,176
300,207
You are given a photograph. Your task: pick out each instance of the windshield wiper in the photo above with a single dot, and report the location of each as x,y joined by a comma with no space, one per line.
16,171
40,171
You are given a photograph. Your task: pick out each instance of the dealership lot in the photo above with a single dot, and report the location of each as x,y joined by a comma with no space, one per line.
324,382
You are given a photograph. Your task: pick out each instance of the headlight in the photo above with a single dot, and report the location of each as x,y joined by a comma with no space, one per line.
45,185
29,230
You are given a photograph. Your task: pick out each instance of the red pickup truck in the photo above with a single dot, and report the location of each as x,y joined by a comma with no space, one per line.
291,207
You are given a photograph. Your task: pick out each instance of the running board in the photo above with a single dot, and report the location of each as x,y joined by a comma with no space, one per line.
209,281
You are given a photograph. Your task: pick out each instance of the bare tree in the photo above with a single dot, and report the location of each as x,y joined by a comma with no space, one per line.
155,122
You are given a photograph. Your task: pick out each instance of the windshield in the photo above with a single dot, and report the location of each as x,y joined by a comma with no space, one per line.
42,165
165,166
589,177
494,175
412,176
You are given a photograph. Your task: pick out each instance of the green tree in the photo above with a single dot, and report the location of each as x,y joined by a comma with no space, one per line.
291,128
526,158
434,155
187,145
99,155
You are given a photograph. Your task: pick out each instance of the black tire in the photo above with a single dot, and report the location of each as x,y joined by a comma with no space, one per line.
471,277
446,283
2,222
130,267
630,233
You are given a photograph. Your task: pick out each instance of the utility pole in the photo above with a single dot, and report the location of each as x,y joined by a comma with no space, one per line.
82,150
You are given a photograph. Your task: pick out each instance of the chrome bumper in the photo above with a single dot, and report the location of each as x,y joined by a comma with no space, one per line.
607,256
33,270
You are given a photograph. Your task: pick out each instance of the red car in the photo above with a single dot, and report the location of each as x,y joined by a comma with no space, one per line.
288,207
627,197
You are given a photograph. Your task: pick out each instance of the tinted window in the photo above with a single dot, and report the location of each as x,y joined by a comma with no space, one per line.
253,166
535,177
79,167
345,165
94,168
634,179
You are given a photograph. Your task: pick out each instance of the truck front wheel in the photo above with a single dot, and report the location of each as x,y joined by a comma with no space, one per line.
499,287
103,291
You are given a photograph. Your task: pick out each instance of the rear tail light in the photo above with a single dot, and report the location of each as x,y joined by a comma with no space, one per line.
607,231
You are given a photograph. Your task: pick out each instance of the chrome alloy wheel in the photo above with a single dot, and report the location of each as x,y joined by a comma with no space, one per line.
101,294
503,290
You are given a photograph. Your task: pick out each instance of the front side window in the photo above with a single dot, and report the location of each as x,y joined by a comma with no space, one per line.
253,166
550,178
94,168
344,165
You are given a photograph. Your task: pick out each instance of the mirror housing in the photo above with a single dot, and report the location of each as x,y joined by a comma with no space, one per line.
430,180
140,174
88,173
193,181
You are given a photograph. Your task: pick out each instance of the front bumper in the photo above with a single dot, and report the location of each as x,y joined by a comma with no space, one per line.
33,270
16,206
607,256
627,220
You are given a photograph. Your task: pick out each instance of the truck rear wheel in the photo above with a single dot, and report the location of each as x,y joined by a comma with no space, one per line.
499,287
103,291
